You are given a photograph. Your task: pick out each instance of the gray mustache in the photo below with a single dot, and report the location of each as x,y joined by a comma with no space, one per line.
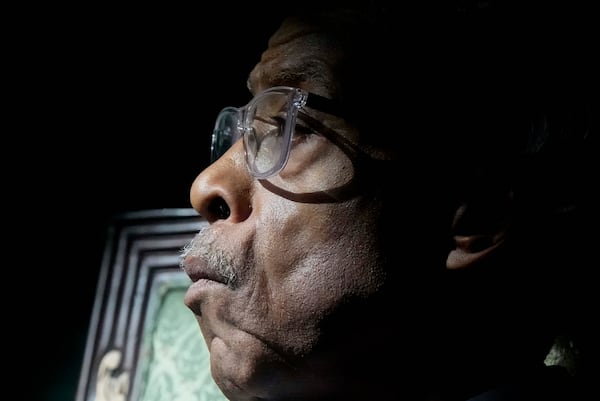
203,246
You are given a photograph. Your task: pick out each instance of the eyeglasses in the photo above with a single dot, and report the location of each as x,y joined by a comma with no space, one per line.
267,125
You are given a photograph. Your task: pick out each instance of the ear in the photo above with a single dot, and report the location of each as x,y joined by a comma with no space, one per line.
480,227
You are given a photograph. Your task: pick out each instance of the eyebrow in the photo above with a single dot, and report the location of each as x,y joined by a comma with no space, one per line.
314,101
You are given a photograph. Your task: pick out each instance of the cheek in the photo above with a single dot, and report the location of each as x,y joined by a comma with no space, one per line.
315,166
311,264
304,267
344,264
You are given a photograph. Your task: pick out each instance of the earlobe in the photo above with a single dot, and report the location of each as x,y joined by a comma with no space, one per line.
471,250
479,230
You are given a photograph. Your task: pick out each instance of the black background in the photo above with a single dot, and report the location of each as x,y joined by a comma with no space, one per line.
112,111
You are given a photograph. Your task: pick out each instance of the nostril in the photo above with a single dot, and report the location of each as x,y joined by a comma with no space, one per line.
219,208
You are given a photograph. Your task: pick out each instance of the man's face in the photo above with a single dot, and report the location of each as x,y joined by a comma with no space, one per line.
282,256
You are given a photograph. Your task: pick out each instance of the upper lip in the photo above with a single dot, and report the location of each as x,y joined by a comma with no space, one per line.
198,269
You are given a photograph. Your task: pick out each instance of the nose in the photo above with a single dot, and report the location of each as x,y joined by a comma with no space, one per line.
223,190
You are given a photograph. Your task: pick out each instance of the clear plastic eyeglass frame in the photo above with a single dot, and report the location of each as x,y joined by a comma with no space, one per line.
266,124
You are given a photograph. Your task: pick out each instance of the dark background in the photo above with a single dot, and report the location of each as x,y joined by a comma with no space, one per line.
112,107
113,110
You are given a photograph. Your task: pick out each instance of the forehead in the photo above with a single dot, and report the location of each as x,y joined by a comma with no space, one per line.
337,56
300,54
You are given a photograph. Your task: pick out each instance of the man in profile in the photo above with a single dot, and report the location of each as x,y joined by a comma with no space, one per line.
390,213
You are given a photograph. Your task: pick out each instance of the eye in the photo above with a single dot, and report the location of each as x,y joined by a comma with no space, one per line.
302,133
302,129
268,126
278,122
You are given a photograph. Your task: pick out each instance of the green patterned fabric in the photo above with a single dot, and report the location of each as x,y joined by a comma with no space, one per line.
177,361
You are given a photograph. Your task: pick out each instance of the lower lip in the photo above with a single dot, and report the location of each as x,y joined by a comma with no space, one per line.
205,283
201,288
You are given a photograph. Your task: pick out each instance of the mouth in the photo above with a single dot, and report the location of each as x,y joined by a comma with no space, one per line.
207,283
199,270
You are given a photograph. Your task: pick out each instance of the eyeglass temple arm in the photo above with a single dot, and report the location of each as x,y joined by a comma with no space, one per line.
324,104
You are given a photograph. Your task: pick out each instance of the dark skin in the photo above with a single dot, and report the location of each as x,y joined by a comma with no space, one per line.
341,296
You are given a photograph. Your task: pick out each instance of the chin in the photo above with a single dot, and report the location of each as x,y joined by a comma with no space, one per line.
254,371
245,368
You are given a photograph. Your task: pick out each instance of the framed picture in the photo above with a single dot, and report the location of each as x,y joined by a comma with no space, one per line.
143,343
